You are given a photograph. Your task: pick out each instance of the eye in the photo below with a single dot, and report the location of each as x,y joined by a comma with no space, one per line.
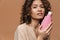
34,7
42,6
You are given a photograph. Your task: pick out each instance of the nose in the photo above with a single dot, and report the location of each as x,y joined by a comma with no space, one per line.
39,10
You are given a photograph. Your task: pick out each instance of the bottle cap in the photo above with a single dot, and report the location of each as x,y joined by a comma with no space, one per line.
49,12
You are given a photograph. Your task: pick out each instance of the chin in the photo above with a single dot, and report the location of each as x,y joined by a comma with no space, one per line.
40,17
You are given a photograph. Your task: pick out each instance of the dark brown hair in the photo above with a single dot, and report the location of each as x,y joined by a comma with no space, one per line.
25,18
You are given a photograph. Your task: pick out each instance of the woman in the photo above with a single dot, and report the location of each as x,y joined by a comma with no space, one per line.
33,12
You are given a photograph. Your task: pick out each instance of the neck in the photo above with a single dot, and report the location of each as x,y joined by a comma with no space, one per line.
34,23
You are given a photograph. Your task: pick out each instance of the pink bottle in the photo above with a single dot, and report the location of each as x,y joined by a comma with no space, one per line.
46,21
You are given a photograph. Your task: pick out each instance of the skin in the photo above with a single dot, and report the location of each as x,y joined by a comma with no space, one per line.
38,8
37,13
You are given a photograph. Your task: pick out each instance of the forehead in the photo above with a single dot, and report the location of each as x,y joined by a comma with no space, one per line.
36,2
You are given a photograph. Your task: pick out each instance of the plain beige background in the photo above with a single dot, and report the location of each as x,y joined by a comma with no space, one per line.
10,17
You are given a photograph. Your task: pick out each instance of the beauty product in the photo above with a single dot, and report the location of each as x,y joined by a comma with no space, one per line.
46,21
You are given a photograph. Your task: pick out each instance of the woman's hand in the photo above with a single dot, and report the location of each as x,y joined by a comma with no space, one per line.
45,33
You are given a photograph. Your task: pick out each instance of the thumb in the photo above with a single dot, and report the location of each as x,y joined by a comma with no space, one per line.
40,27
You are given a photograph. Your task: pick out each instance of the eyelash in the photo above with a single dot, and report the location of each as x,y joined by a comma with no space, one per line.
40,6
34,7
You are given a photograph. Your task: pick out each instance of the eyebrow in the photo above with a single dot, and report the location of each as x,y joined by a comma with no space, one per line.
36,4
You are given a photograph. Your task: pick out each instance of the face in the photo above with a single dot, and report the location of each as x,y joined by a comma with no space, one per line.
37,10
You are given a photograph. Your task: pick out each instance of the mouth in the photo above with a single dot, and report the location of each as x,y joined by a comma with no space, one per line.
40,14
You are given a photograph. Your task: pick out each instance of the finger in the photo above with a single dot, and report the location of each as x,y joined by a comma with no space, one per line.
40,26
49,31
50,28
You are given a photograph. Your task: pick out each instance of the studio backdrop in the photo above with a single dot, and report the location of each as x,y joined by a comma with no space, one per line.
10,13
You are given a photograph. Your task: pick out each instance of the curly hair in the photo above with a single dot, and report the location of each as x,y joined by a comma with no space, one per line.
25,18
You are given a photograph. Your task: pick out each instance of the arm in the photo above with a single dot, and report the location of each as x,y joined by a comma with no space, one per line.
40,38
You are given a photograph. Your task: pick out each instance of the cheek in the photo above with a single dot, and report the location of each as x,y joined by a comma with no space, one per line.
43,10
33,11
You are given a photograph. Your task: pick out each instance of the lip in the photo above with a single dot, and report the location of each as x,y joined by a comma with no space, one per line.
39,14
